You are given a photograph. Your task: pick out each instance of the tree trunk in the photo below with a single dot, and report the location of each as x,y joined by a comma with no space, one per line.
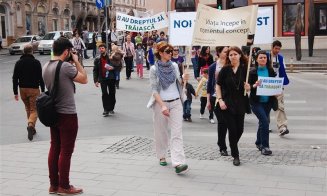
311,33
298,29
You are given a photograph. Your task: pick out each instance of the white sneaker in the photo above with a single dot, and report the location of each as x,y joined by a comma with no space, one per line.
212,121
201,116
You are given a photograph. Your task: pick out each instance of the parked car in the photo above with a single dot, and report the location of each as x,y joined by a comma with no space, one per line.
45,44
21,42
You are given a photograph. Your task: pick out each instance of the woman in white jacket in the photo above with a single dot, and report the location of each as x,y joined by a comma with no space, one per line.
166,101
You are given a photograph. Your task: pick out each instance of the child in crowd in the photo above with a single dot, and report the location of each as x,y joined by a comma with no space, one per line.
203,87
178,59
139,60
116,58
150,56
189,91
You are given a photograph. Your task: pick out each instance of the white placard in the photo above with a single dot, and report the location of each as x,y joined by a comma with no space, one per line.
224,27
270,86
130,23
265,26
181,27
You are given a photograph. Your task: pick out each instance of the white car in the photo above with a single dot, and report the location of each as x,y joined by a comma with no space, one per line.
45,45
21,42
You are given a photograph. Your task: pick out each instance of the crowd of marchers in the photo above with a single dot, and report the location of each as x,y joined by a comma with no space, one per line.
221,86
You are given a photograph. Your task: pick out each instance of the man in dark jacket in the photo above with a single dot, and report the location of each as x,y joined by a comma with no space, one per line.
28,76
103,74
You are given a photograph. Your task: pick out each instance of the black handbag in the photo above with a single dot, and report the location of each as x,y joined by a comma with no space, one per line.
45,103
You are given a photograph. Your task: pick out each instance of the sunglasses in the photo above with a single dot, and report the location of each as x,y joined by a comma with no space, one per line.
169,51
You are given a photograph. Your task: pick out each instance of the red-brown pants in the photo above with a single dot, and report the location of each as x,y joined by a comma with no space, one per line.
63,138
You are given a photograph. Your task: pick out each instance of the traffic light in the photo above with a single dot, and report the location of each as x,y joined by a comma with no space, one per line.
219,4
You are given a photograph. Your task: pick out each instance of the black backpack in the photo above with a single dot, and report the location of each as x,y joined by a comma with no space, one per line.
45,103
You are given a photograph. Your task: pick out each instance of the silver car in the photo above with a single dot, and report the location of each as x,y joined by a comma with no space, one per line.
21,42
45,45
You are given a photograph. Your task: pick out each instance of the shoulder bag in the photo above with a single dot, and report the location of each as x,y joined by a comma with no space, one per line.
45,103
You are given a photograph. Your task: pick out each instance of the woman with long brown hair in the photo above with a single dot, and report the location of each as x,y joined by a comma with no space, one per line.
230,95
205,59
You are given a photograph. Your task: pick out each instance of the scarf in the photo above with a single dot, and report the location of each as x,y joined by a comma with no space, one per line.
166,74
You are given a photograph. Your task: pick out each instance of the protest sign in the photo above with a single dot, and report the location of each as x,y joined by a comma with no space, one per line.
181,27
131,23
265,26
270,86
224,27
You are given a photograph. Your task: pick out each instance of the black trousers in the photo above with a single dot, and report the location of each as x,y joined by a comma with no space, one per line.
203,101
108,89
235,125
129,66
212,103
221,127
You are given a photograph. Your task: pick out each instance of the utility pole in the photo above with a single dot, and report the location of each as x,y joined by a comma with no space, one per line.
106,18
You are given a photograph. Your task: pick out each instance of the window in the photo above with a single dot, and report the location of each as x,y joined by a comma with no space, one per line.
41,25
321,19
19,16
66,24
2,10
55,25
289,16
28,24
55,11
185,5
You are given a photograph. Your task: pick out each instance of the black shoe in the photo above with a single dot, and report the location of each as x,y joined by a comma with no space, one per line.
266,151
105,113
117,84
284,132
270,130
259,147
111,112
34,131
189,119
30,132
236,161
223,153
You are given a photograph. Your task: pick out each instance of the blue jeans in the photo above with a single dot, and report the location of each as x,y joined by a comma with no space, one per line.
261,110
195,67
187,109
117,75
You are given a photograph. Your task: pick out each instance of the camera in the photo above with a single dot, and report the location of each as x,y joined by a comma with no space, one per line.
276,65
70,56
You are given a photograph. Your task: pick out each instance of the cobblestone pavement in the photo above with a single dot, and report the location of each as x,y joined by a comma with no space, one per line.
282,154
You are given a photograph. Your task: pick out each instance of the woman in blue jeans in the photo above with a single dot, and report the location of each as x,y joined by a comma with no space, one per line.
261,105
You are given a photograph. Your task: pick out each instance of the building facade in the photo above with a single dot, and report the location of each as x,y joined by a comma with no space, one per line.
27,17
284,16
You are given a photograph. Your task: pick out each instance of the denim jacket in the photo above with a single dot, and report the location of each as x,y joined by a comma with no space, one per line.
155,84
